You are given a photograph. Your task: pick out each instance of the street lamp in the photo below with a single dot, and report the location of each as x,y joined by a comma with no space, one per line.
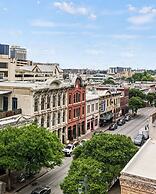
83,183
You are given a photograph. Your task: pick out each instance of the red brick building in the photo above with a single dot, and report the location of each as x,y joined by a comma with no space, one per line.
76,109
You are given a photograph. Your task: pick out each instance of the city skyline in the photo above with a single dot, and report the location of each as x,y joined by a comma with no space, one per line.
82,34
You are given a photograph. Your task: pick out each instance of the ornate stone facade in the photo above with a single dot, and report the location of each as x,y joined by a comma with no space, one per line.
137,185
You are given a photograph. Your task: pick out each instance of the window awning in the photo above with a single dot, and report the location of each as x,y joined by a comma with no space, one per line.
2,92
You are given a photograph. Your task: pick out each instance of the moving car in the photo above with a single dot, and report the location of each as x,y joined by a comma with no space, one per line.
42,190
139,139
113,126
68,149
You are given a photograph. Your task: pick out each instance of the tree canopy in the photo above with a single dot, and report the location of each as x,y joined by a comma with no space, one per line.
29,148
101,159
145,76
134,92
135,103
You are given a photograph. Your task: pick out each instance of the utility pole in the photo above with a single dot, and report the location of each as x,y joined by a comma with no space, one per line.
83,185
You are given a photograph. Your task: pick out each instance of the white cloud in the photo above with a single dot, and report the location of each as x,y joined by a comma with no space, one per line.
141,19
131,8
73,9
42,23
143,15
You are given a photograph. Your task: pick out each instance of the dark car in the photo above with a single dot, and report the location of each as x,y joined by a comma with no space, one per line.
113,126
139,139
121,122
42,190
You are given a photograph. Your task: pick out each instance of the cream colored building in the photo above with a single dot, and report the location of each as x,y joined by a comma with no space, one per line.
92,111
45,102
139,175
25,70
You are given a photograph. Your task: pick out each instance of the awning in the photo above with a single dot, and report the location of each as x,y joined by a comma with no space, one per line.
3,92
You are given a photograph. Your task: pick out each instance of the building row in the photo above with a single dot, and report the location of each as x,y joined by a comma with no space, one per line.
68,108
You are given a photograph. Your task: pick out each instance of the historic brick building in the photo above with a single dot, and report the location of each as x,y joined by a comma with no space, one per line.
76,109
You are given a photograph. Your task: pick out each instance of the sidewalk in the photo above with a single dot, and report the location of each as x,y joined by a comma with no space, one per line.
20,186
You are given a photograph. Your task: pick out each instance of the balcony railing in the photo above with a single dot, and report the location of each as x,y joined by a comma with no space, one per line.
10,113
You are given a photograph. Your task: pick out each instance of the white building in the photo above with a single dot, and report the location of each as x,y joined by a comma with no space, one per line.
92,111
45,102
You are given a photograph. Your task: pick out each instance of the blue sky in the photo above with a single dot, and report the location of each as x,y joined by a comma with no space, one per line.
92,34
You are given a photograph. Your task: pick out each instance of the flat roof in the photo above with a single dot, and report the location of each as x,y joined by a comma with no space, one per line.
143,164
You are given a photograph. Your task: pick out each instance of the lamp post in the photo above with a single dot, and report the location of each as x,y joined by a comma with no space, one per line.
83,183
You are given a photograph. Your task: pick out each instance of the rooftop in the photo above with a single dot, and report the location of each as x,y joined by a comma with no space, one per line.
143,164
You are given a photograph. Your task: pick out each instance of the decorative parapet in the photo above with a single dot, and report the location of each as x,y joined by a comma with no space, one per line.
137,184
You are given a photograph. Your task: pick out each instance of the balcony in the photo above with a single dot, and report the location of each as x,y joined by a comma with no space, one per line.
10,113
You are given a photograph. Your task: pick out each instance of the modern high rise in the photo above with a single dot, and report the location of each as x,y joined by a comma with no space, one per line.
18,53
4,49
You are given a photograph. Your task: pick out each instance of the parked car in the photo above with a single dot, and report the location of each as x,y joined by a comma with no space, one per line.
127,117
145,132
42,190
69,149
139,139
121,122
113,126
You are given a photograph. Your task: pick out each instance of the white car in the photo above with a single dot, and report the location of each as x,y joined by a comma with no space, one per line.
69,149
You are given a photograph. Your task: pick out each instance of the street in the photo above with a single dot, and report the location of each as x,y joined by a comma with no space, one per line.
54,177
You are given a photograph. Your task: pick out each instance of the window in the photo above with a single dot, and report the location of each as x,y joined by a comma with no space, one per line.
48,120
77,112
59,99
70,99
83,110
92,107
42,121
88,108
64,96
5,103
97,106
96,121
74,98
42,103
36,101
14,103
88,125
58,117
54,100
35,120
53,119
74,113
69,114
78,97
83,96
48,102
64,116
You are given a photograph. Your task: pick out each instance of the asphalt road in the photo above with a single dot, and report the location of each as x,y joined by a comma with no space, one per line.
54,177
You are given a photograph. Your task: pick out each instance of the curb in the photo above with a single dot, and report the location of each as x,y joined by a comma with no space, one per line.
25,185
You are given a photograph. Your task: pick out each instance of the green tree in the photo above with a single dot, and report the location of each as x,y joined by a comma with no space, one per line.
79,169
145,76
151,97
135,103
133,92
111,153
28,148
109,81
